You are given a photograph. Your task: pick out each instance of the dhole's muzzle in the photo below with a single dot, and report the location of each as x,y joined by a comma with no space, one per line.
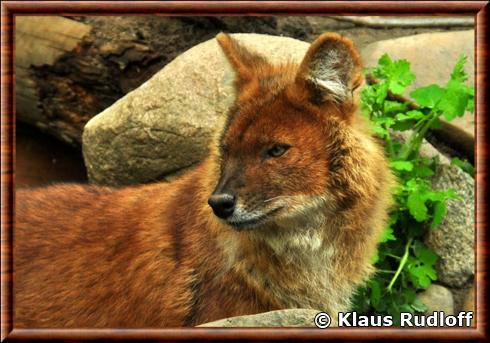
223,204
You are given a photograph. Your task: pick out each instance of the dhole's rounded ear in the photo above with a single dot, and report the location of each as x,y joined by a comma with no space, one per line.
244,62
330,70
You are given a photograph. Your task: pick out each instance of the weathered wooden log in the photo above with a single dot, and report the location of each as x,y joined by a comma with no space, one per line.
70,69
65,75
41,41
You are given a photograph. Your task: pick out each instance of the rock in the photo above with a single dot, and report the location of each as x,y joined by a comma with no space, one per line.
291,317
454,239
437,298
166,125
440,53
68,69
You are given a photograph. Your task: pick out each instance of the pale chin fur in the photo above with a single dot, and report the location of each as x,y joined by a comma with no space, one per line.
298,236
299,212
298,226
249,220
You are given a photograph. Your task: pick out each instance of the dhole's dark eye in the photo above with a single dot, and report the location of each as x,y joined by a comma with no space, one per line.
277,150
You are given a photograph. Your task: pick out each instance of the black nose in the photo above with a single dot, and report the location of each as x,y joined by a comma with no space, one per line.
222,204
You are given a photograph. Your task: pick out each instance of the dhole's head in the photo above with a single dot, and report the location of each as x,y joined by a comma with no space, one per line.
276,157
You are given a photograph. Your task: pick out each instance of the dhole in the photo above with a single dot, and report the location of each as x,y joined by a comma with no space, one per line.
285,213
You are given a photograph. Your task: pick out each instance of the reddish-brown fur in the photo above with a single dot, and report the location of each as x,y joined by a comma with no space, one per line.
156,255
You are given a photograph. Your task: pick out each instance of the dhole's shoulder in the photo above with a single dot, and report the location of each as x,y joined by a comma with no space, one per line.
60,195
63,189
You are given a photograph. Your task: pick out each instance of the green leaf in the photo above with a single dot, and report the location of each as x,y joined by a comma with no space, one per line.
434,196
390,107
423,171
380,131
464,165
414,114
403,125
458,96
386,121
385,61
470,107
421,269
375,293
402,165
455,100
418,305
422,275
402,77
406,308
360,300
436,124
375,257
397,74
439,195
381,93
416,206
427,96
425,255
458,73
412,185
438,215
387,235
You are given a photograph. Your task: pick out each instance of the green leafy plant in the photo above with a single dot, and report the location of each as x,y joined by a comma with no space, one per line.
466,166
404,263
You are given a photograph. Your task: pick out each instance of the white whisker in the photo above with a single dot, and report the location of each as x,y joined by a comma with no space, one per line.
274,198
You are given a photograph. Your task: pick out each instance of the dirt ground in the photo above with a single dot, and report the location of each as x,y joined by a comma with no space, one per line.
363,36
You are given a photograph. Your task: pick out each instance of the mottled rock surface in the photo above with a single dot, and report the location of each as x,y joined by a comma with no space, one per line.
166,125
437,298
454,239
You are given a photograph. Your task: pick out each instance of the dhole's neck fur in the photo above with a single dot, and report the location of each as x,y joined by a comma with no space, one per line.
321,231
307,248
298,194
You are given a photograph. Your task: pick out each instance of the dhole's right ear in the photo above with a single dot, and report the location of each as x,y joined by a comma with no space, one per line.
245,63
330,70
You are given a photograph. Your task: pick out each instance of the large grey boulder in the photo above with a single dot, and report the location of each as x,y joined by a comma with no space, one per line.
165,126
454,239
292,317
432,57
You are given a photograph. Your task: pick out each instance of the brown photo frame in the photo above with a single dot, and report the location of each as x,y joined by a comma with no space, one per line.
10,9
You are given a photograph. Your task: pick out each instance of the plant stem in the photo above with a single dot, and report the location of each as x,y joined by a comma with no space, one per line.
385,271
415,140
403,261
389,144
393,256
